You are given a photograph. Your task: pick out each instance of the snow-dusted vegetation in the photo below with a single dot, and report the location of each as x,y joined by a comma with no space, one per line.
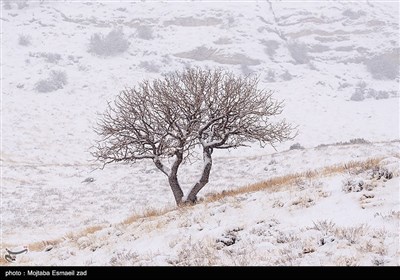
329,197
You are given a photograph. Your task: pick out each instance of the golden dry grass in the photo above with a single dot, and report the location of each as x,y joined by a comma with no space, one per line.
40,246
290,179
3,262
150,213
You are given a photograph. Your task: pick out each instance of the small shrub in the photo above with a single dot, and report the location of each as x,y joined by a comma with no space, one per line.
286,76
196,254
324,226
24,40
223,41
381,172
283,238
319,48
22,4
144,32
352,14
6,5
346,261
272,161
379,261
358,95
270,76
111,44
384,66
296,146
357,141
382,95
361,84
343,85
150,66
271,47
352,185
200,53
124,258
351,234
55,81
49,57
303,202
299,52
246,70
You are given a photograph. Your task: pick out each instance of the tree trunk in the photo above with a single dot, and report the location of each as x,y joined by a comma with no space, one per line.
173,179
176,189
172,176
192,197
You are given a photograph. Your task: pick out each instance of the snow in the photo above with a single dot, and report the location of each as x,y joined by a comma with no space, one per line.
46,136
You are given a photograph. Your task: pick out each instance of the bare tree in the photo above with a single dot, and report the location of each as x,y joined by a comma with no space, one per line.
169,117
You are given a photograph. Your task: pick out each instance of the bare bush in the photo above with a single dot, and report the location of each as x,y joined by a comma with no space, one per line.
353,141
191,21
270,76
357,141
319,48
303,202
379,261
21,4
384,66
108,45
229,238
169,117
353,14
56,80
283,238
325,227
352,185
150,66
379,172
144,32
49,57
346,261
299,52
270,47
378,94
197,254
7,5
343,85
296,146
351,234
286,76
223,41
288,256
358,95
124,259
205,53
24,40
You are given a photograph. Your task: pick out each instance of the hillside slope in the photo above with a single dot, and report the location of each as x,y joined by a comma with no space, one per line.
334,63
350,217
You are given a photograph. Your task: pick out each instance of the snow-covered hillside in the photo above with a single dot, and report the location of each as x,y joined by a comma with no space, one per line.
341,215
334,63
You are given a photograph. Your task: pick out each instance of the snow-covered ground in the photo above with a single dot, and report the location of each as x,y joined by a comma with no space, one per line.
334,64
350,218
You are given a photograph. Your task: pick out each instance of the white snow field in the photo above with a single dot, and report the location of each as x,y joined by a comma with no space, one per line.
336,65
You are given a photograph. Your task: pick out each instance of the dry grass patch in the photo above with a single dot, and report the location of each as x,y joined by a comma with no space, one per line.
150,213
274,184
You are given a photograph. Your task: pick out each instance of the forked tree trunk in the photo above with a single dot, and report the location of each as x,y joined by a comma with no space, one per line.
192,197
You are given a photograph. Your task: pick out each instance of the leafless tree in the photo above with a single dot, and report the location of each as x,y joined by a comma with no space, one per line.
169,117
